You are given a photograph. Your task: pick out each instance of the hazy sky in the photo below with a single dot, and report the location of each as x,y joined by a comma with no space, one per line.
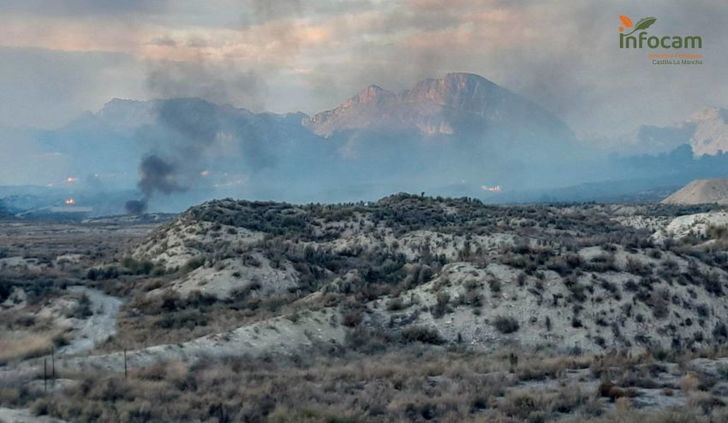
61,57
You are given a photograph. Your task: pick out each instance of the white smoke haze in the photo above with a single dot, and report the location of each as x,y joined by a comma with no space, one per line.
308,56
218,64
221,83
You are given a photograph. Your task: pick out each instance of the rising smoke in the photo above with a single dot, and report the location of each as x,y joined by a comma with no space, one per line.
155,175
158,175
193,135
136,206
185,130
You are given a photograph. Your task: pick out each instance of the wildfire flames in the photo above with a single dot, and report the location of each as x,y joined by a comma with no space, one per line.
70,201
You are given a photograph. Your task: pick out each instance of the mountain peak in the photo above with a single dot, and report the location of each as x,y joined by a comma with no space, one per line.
457,102
126,114
467,80
459,90
373,94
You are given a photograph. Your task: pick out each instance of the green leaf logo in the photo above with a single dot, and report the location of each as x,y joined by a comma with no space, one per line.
643,24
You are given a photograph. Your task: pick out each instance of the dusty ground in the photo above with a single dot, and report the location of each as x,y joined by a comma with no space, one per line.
47,301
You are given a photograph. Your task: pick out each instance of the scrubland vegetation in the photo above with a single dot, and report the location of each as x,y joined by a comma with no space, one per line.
448,310
407,383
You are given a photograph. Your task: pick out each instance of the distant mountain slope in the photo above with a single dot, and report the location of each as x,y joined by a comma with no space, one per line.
457,103
211,147
702,191
448,136
458,130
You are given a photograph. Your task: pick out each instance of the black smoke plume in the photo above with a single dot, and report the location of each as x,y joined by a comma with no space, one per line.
136,206
192,132
157,174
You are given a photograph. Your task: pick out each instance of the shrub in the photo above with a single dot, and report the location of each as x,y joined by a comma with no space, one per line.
722,371
352,318
193,263
521,406
505,324
720,332
609,390
422,334
442,305
636,267
659,303
395,304
82,309
495,286
137,267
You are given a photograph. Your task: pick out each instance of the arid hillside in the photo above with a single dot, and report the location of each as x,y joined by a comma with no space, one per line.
410,308
571,278
701,191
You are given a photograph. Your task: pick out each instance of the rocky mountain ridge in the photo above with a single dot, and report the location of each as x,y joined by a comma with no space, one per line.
442,106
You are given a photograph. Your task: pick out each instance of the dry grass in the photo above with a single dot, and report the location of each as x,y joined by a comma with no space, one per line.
689,383
630,415
411,383
28,345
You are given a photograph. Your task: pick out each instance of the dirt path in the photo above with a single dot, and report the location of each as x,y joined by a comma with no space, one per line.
86,335
11,415
279,335
98,327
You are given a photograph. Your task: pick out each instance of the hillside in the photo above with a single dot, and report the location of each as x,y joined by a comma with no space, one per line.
702,191
410,308
579,277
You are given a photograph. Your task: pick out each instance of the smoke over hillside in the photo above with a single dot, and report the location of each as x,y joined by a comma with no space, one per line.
448,136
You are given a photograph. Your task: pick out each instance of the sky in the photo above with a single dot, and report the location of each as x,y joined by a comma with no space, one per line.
59,58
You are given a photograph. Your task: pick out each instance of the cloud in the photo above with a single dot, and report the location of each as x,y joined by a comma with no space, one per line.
289,54
45,88
163,41
75,8
17,149
564,56
218,82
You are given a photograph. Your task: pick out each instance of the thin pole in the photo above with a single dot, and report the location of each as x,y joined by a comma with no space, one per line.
126,374
45,374
53,364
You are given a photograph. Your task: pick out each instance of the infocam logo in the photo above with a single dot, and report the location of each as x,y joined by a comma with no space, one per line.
642,39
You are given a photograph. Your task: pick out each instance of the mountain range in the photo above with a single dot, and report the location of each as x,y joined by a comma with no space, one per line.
457,135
